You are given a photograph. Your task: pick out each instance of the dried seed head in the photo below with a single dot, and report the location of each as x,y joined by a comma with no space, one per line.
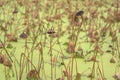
93,58
91,75
7,62
1,58
11,38
112,60
32,74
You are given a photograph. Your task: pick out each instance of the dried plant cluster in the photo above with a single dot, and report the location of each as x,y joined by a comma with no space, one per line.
53,39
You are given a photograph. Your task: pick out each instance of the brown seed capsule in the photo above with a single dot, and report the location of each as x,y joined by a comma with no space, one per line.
93,58
1,58
91,75
112,60
6,62
32,74
11,37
